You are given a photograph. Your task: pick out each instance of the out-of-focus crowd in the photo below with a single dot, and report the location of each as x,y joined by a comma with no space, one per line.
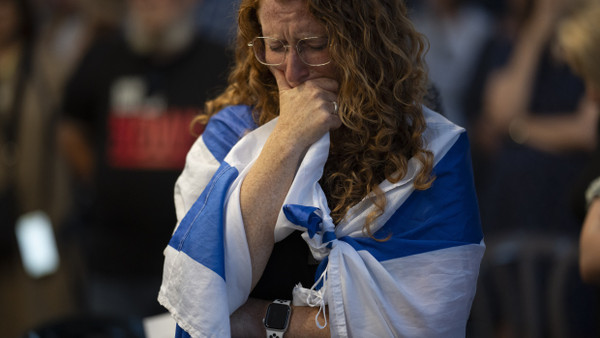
95,103
96,100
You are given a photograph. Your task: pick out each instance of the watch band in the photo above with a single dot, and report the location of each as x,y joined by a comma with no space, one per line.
278,333
274,333
592,191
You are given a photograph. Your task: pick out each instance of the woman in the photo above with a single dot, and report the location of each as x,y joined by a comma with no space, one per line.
531,124
578,36
333,92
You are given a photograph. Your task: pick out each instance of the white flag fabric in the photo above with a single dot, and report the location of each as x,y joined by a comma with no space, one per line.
419,282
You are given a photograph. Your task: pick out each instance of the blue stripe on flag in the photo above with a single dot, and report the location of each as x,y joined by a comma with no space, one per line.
226,128
304,216
180,333
445,215
320,268
200,233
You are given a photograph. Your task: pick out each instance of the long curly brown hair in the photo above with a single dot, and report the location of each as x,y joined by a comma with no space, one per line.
379,59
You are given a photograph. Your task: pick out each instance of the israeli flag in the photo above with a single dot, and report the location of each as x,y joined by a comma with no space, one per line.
415,277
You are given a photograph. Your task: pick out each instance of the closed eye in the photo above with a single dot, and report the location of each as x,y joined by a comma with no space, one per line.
276,47
314,44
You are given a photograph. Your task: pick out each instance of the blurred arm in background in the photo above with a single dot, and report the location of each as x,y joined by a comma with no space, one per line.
508,92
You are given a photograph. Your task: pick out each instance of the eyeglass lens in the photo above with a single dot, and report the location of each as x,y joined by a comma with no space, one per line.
313,51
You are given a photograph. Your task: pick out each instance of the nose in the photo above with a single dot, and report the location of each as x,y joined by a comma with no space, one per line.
296,71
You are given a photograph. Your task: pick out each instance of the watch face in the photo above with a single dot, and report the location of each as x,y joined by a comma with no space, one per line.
277,316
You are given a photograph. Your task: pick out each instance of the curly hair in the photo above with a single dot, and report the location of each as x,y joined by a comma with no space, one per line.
382,78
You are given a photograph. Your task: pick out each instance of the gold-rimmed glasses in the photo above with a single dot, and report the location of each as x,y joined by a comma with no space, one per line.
313,51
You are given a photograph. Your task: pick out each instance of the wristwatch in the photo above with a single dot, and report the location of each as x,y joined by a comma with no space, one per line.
277,318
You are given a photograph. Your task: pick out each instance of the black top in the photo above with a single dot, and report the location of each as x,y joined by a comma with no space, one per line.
290,263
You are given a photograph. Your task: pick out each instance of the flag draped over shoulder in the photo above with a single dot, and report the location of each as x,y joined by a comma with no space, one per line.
419,282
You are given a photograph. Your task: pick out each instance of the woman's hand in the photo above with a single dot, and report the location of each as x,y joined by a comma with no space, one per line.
306,111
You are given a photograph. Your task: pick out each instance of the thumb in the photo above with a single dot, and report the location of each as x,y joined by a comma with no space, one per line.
282,83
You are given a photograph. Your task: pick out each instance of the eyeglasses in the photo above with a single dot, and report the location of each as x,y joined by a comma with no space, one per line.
313,51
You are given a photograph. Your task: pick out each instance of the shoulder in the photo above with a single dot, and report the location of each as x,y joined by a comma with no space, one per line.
233,118
105,49
446,214
441,134
98,61
226,128
209,49
452,169
212,58
90,77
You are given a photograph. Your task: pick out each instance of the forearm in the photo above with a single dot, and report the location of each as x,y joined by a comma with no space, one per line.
303,120
589,251
261,198
247,321
509,89
556,134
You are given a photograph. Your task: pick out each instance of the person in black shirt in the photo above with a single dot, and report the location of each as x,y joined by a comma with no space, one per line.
126,131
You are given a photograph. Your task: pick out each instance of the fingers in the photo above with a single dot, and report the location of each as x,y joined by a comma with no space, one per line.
319,93
324,83
282,83
327,84
309,108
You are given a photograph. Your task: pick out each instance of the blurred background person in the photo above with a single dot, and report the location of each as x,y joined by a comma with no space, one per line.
31,175
457,31
579,44
533,130
66,28
126,130
16,44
